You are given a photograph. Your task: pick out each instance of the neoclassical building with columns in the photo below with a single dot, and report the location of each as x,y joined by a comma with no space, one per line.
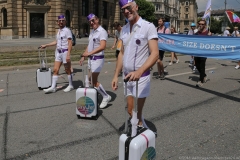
37,18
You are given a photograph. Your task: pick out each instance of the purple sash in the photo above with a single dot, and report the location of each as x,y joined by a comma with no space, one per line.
62,50
96,57
143,75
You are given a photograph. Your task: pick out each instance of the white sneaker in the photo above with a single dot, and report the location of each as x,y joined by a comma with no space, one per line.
170,64
199,84
237,67
68,89
105,101
177,61
50,90
194,68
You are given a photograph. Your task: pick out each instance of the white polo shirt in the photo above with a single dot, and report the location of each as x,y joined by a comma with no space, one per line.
226,33
136,52
94,39
62,38
235,33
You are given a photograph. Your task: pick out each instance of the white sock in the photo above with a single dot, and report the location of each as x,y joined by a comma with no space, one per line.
70,80
102,91
54,81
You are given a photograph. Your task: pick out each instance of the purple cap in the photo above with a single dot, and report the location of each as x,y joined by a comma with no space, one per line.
61,17
124,2
90,16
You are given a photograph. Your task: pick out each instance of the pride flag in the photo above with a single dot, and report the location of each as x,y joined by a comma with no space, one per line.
232,17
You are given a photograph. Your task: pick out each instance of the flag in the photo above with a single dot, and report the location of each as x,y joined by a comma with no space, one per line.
207,13
232,17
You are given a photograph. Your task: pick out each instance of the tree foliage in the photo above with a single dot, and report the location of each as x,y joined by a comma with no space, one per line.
215,26
146,10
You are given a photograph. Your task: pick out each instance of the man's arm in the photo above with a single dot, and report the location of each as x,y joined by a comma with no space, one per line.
115,42
228,34
69,45
49,44
99,49
82,57
153,57
119,61
118,68
69,49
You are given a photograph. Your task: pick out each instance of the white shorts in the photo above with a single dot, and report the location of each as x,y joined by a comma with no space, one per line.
61,57
143,87
96,65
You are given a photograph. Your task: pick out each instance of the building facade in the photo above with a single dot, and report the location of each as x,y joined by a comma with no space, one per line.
168,9
37,18
188,14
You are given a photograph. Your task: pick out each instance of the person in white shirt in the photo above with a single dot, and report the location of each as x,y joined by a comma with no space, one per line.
62,54
139,39
95,52
192,31
173,54
226,32
117,43
235,33
161,29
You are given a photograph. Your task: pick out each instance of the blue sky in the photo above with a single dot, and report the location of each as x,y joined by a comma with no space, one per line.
219,4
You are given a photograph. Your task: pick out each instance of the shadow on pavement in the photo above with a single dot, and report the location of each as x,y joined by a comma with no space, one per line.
194,78
207,90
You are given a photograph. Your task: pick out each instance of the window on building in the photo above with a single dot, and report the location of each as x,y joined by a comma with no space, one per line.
186,9
85,5
95,7
4,13
157,7
186,16
104,7
186,22
187,3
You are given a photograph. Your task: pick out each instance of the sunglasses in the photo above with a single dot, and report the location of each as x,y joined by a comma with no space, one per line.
91,21
129,8
201,24
61,20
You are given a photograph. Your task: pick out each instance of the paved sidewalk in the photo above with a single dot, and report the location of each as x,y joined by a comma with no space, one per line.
28,44
22,67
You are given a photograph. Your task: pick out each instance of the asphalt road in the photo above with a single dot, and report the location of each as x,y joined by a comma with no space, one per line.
192,123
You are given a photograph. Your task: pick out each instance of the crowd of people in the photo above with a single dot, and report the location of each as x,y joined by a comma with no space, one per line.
137,51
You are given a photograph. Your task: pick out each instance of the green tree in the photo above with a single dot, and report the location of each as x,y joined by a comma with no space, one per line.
215,25
146,10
